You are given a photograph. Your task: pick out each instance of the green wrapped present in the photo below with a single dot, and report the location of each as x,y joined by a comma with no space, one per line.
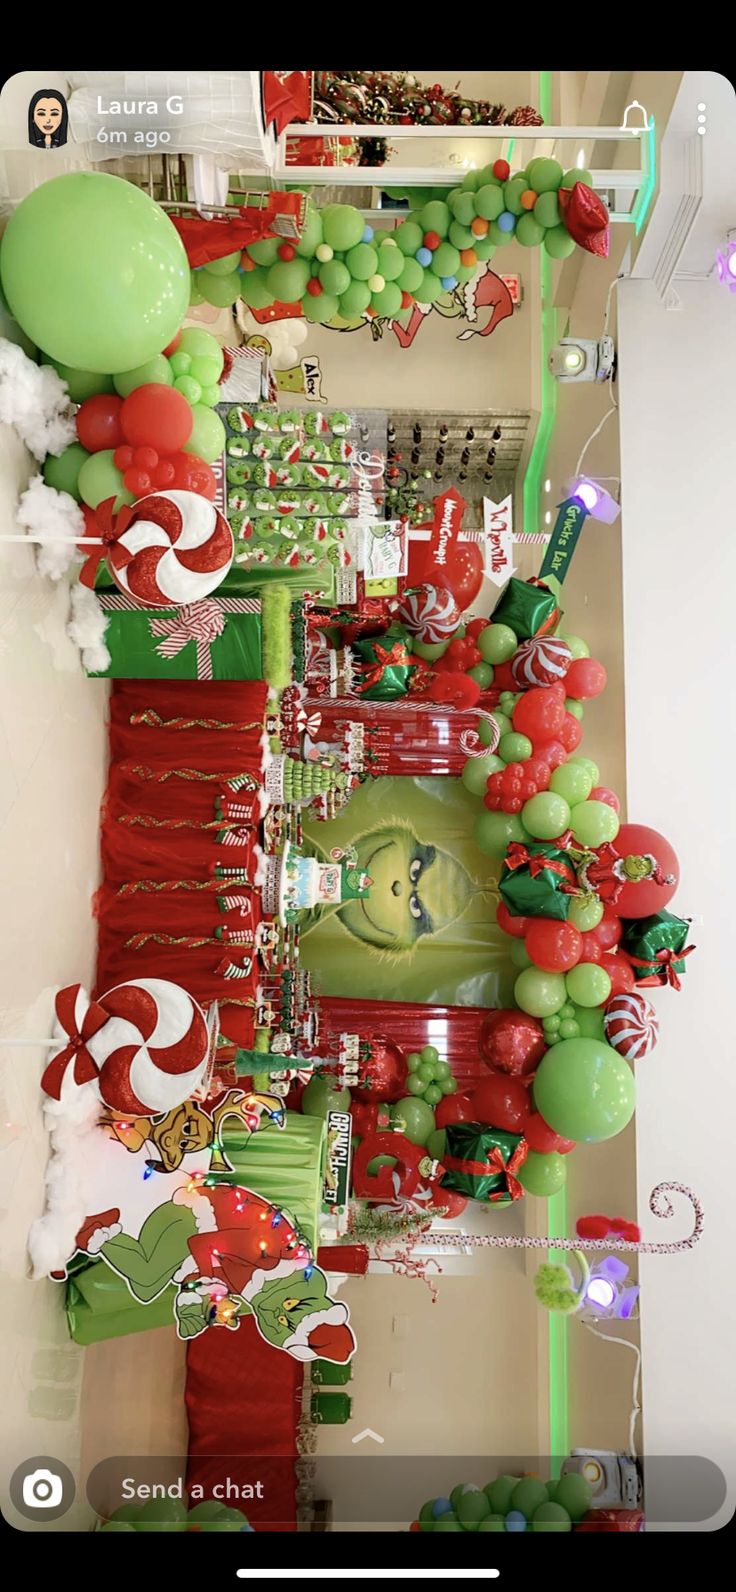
656,948
538,880
216,638
481,1162
528,607
384,667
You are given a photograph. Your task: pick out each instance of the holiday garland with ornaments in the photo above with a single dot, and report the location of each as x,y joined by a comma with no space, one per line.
400,97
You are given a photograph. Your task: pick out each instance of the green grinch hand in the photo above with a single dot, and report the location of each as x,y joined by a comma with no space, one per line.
554,1286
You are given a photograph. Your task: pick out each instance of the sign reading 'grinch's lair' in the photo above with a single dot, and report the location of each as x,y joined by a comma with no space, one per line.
339,1153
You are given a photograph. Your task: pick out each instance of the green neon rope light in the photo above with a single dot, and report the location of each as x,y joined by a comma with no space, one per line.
559,1424
646,192
548,335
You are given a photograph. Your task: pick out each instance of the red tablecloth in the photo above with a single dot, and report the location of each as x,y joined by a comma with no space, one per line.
243,1401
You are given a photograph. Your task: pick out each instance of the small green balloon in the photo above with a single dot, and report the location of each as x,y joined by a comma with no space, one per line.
433,1094
436,217
504,723
578,647
546,815
208,436
80,383
472,1508
449,1086
497,643
127,1512
391,261
416,1084
519,955
320,1097
430,289
266,251
445,260
311,235
588,984
342,226
320,307
514,748
584,1090
469,182
476,772
426,1511
163,1514
545,175
442,1070
578,174
587,762
485,248
334,276
590,1021
461,237
499,1492
529,1493
189,389
425,1071
417,1117
222,291
287,279
493,832
512,192
388,300
483,674
575,1495
551,1490
414,1060
462,205
61,471
253,290
118,1525
411,278
537,993
447,1523
199,344
224,266
551,1517
558,243
529,231
586,911
493,1523
593,823
356,298
435,1145
409,237
573,707
430,1055
572,782
100,478
431,650
547,210
542,1175
157,369
208,1509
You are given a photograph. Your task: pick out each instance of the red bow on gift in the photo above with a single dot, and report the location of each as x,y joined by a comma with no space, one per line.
493,1164
372,673
108,526
75,1053
554,617
517,855
666,960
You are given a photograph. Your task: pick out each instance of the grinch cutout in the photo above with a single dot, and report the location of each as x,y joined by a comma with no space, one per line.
486,291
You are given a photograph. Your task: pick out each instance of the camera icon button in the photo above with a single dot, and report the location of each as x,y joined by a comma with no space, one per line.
42,1489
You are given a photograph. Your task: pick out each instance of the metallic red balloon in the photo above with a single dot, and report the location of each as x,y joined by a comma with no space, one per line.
512,1042
383,1075
542,1138
501,1102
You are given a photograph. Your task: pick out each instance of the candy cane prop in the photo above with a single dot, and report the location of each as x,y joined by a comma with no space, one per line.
470,741
659,1204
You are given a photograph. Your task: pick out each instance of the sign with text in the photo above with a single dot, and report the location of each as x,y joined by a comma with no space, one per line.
336,1186
312,374
571,516
444,530
498,543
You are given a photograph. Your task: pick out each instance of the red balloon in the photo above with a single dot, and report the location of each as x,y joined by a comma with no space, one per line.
193,475
164,473
503,679
554,946
591,949
173,345
512,1042
463,572
457,648
542,1138
539,713
156,416
586,677
373,1118
384,1074
550,752
515,926
570,732
620,972
608,932
501,1102
473,656
380,1185
456,690
454,1108
454,1203
638,900
474,627
98,422
601,793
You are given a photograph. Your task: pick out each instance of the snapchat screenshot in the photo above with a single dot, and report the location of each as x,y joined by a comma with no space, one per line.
366,819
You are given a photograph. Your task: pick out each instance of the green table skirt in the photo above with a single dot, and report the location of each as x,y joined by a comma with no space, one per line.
283,1165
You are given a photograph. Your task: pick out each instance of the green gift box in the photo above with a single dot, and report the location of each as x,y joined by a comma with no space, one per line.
216,638
482,1163
331,1409
528,607
654,945
537,880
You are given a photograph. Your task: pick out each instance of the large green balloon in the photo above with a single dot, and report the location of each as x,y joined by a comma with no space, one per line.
390,261
208,434
575,1494
362,261
461,237
100,478
584,1090
462,206
588,984
476,772
388,300
81,383
221,291
547,210
540,994
334,277
436,217
545,175
416,1115
357,297
542,1175
445,260
254,290
493,832
499,1493
489,202
320,307
558,243
94,272
311,235
224,266
411,277
157,369
546,815
266,251
497,643
62,471
409,237
342,226
287,279
594,822
529,231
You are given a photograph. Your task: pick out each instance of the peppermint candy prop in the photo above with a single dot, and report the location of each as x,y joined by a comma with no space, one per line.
145,1045
170,548
431,613
632,1026
543,660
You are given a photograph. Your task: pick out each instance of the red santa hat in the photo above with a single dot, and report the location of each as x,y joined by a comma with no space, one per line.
324,1335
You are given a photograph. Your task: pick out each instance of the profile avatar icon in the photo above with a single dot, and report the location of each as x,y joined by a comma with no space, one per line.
48,119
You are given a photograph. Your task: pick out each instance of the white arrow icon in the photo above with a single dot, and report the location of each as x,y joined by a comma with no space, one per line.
369,1433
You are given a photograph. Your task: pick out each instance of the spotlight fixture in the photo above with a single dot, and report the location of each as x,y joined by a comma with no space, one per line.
599,504
726,265
605,1294
582,359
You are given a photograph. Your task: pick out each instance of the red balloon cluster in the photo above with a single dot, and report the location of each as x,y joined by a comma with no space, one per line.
147,432
556,946
454,690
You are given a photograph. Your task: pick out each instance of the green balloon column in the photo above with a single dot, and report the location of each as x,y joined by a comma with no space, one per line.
510,1503
172,1515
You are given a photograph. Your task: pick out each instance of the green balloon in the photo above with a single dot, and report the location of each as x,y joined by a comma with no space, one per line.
436,1144
461,237
442,1070
529,231
266,251
448,1086
355,299
127,1512
416,1084
388,300
493,1523
545,175
94,271
593,823
489,202
320,307
504,724
311,235
254,291
447,1523
587,762
199,344
224,266
99,478
409,237
575,1495
162,1514
465,273
546,815
497,643
430,289
473,1507
208,436
485,248
287,279
117,1525
206,371
514,748
433,1094
540,994
578,647
334,277
483,674
196,296
590,1022
486,175
157,369
588,984
81,383
475,773
62,470
584,1090
430,1054
208,1509
499,1492
411,277
425,1512
470,182
13,333
431,650
585,911
528,1493
542,1175
390,261
320,1096
414,1060
578,174
362,261
576,708
445,260
512,192
551,1490
519,955
558,243
572,782
486,734
436,217
547,210
462,205
342,226
551,1517
222,291
493,832
417,1116
189,389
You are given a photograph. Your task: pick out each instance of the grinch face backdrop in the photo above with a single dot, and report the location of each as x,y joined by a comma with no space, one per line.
427,930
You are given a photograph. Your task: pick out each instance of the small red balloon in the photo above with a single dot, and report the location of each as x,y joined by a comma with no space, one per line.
139,482
608,932
173,345
585,678
554,945
540,714
509,924
591,949
601,793
145,458
475,626
457,690
286,251
501,170
550,752
123,457
164,473
453,1108
193,475
542,1138
620,972
98,422
454,1204
570,732
156,416
501,1102
431,240
314,286
503,679
512,1042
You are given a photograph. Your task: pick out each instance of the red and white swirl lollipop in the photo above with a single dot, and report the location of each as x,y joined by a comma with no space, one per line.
544,660
145,1043
170,548
631,1025
431,613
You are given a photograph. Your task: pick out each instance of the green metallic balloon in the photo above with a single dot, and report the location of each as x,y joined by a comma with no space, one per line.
588,984
391,261
416,1115
356,299
537,993
546,815
445,260
542,1175
483,674
416,1084
287,279
529,231
584,1090
558,243
593,823
578,174
409,237
528,1493
222,291
547,210
497,643
266,251
388,300
551,1517
430,289
433,1094
587,762
224,266
489,202
575,1495
311,235
499,1492
99,478
436,217
157,369
94,271
545,175
590,1021
208,436
572,782
476,771
80,383
519,955
586,911
461,237
320,307
342,226
493,832
62,471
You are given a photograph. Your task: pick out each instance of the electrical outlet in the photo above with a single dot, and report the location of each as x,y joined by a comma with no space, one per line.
397,1381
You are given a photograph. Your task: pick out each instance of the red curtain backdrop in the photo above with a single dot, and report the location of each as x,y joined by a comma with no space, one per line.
403,738
453,1029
